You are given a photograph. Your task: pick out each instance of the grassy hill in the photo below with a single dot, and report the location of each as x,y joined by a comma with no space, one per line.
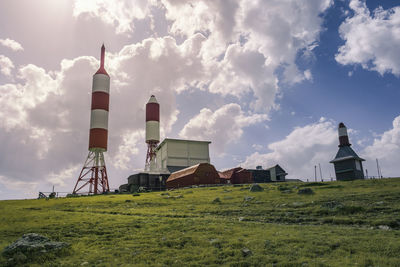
341,224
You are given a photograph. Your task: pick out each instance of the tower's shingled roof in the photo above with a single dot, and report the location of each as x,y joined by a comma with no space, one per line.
344,153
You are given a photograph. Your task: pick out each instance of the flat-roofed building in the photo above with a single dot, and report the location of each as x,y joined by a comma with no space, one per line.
176,154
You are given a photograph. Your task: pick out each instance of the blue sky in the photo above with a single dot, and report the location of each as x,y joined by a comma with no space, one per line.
266,81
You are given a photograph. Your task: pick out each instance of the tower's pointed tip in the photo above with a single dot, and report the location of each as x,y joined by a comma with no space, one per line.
102,59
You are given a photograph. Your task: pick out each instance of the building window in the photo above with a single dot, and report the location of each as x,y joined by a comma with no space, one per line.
358,165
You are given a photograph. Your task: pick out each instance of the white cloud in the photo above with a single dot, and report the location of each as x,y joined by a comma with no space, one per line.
371,40
222,126
243,49
308,75
301,150
14,45
60,178
257,147
129,147
118,13
385,148
243,71
6,65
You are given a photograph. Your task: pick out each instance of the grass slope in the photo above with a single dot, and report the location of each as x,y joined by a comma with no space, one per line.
342,224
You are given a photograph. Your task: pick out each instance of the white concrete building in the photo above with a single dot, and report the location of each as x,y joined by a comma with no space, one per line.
176,154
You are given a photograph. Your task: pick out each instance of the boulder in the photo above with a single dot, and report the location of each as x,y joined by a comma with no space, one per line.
248,198
384,227
305,191
32,244
216,201
332,205
246,252
216,243
256,188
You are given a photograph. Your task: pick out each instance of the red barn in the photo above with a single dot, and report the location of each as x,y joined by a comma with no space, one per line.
236,176
203,173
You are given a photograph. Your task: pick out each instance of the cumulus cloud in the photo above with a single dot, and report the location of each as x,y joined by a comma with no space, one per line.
301,150
118,13
371,40
6,65
223,126
129,147
257,147
243,48
14,45
385,148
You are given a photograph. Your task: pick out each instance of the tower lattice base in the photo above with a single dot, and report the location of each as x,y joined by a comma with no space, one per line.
151,155
94,174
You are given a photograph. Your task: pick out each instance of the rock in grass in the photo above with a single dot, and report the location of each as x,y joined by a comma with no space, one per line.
384,227
216,200
32,244
256,188
305,191
332,205
246,252
248,198
216,243
135,194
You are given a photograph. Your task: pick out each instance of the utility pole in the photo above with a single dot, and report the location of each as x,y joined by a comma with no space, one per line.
366,172
315,173
320,172
379,169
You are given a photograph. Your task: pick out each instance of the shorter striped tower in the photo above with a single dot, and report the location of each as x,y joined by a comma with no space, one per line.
152,132
343,136
94,172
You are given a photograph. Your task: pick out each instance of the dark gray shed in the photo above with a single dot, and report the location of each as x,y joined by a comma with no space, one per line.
348,165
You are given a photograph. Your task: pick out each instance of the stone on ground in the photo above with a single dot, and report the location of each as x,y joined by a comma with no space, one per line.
32,244
305,191
256,188
246,252
216,201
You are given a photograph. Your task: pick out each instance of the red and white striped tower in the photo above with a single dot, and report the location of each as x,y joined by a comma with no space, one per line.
152,132
343,137
94,172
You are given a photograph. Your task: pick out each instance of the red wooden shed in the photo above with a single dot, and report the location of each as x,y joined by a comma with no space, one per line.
203,173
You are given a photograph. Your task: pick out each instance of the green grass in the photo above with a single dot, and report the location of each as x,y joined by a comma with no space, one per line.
338,225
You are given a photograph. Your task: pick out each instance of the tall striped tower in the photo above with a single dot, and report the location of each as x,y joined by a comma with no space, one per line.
94,172
152,132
